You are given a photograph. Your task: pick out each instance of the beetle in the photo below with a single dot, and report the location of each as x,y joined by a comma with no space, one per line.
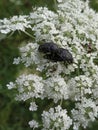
53,53
48,47
64,55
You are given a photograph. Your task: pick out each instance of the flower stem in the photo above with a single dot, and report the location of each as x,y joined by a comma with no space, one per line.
29,34
55,5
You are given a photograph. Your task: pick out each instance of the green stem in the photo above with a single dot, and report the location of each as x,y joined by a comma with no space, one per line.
61,102
29,34
55,4
10,34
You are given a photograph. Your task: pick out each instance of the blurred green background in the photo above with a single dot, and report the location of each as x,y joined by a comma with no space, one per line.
15,115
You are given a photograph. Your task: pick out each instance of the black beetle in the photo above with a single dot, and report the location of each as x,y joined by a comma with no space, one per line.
48,47
54,53
64,55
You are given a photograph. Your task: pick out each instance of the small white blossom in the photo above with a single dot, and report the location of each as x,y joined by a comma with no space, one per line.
16,61
33,124
59,0
33,106
11,85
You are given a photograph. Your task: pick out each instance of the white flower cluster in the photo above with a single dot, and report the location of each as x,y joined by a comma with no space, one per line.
74,27
56,119
29,55
29,86
84,112
15,23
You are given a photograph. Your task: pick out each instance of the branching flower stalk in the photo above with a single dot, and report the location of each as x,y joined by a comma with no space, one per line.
73,96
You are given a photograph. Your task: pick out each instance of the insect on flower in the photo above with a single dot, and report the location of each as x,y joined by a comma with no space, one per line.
64,55
48,47
54,53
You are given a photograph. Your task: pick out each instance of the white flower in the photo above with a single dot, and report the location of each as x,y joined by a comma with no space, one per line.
33,124
56,88
80,86
29,55
59,0
57,117
85,112
15,23
29,86
16,61
33,106
11,85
